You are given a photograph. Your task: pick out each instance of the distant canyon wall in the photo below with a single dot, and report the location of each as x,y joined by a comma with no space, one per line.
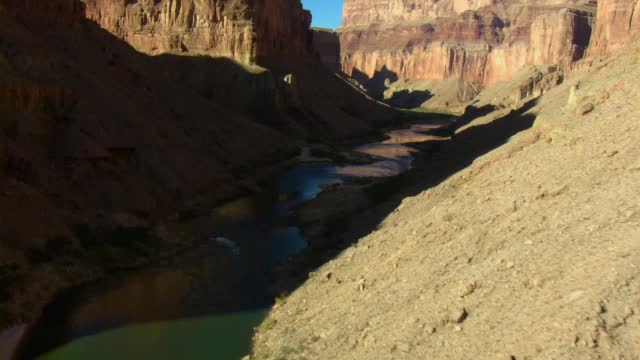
616,22
267,32
483,41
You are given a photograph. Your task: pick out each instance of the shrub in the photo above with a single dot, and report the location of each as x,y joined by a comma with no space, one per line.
268,324
282,298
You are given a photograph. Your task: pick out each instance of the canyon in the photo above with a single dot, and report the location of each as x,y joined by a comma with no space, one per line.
517,238
477,43
123,117
126,122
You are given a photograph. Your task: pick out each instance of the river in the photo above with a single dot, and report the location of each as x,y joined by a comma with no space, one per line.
206,304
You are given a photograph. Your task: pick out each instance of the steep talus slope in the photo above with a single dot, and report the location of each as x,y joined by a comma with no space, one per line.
529,249
97,136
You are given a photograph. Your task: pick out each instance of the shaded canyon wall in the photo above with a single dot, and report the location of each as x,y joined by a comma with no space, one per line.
97,135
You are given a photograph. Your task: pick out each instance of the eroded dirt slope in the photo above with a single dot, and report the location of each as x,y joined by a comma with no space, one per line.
530,252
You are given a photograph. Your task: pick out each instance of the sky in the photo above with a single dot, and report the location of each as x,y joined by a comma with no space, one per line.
326,13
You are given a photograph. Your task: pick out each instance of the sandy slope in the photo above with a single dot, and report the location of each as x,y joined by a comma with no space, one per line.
530,252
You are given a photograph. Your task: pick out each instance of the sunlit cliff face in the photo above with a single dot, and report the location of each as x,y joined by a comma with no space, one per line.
263,32
460,39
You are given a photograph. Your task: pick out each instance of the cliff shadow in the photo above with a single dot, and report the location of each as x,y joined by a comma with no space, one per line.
405,99
470,113
437,161
194,119
377,84
380,82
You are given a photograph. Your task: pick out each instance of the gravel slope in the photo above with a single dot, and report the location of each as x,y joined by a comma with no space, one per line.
530,252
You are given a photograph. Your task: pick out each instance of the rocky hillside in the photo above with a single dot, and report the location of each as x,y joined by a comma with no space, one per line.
518,239
100,139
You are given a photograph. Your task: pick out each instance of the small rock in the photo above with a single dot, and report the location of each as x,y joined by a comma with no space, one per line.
605,339
540,195
404,347
574,340
584,343
510,264
584,108
615,323
528,242
457,328
328,275
430,330
458,315
628,312
467,289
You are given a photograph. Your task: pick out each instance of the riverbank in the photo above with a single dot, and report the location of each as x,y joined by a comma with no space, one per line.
518,240
190,229
343,212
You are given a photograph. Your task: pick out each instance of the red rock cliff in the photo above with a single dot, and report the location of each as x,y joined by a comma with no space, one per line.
480,41
616,21
252,31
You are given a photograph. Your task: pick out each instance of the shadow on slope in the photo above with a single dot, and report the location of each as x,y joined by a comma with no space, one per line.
379,83
437,162
376,84
83,111
406,99
93,128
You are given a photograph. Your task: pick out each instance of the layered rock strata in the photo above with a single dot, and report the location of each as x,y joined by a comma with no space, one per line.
478,41
251,31
616,22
